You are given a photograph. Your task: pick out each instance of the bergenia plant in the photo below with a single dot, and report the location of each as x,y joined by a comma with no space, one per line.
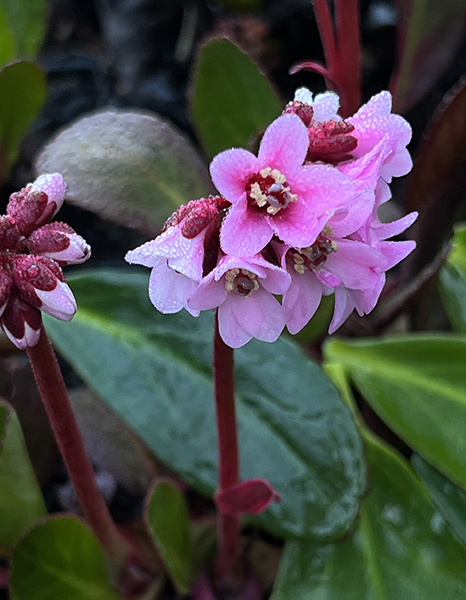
254,470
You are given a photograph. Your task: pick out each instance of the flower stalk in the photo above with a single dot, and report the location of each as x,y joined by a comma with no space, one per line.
228,530
65,428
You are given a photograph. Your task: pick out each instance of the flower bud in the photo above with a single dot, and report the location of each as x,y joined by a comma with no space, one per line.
21,322
6,286
59,242
37,203
40,282
9,233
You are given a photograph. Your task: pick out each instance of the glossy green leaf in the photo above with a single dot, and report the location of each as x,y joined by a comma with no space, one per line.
132,168
232,101
21,501
417,384
401,549
155,371
22,28
452,282
60,558
432,32
22,93
448,497
168,521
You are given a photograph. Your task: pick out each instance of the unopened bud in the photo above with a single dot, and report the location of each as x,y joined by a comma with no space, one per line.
21,322
59,242
9,233
40,282
6,286
37,203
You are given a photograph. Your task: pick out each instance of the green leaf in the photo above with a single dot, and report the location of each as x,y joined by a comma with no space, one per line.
22,93
417,384
132,168
60,558
21,501
232,101
401,549
22,28
168,521
452,281
448,497
155,371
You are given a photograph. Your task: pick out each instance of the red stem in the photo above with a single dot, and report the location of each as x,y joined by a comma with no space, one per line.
324,23
348,65
228,525
65,428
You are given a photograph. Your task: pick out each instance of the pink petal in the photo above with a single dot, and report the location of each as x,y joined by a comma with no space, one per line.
231,332
395,252
359,210
284,145
344,306
354,264
301,301
384,231
397,165
59,302
326,107
169,291
295,225
230,170
209,294
250,497
365,300
259,314
53,185
244,231
276,281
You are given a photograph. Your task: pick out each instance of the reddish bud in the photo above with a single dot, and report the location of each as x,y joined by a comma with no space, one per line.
59,242
197,215
330,141
9,233
21,322
30,210
6,285
304,111
40,282
250,497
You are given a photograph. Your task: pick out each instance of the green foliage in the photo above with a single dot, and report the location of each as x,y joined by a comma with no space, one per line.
417,385
22,28
168,521
452,282
232,101
155,371
60,558
21,500
401,548
22,93
132,168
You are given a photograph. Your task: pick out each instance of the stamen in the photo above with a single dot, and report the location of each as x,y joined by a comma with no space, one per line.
267,191
315,256
242,282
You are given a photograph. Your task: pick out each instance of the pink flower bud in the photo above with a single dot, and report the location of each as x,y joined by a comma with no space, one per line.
6,286
9,233
250,497
59,242
37,203
40,282
21,322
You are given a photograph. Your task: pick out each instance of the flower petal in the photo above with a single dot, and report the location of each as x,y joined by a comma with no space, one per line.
230,170
326,107
284,145
259,314
169,291
301,301
231,332
244,231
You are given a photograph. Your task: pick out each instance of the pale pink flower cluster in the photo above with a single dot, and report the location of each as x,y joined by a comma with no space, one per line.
32,252
297,221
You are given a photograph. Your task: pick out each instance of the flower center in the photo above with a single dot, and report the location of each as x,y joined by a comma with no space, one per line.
241,281
315,256
268,192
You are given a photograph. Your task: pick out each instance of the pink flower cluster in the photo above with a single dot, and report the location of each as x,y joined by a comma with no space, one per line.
298,221
32,251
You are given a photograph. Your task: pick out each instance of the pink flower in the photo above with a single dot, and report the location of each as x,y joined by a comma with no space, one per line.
242,289
372,130
273,194
177,255
31,252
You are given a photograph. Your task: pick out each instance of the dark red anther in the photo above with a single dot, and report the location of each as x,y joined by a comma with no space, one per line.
304,111
330,141
9,234
30,210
